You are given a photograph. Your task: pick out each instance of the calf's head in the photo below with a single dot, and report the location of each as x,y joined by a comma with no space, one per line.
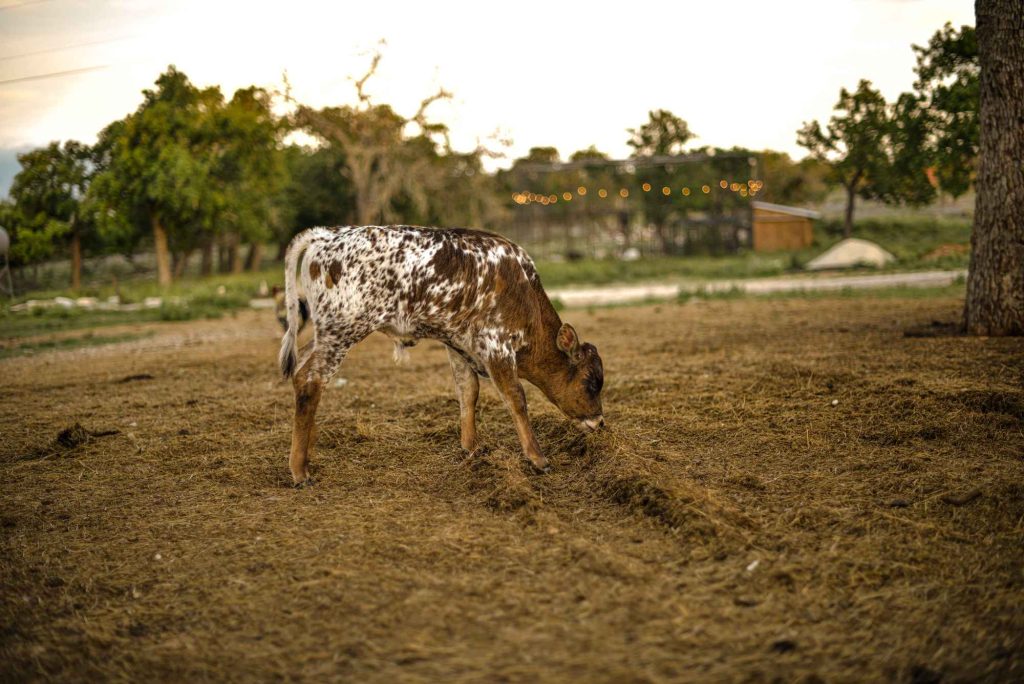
576,389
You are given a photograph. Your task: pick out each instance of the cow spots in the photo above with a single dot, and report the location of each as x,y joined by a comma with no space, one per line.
314,270
333,273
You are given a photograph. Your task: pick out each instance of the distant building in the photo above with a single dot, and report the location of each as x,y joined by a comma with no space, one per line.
778,228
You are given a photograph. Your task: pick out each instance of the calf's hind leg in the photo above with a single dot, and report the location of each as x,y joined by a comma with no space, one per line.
467,387
308,382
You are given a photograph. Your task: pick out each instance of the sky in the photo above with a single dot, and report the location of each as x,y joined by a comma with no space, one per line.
562,74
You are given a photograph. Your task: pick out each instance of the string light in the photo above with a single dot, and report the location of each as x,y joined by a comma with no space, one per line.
748,189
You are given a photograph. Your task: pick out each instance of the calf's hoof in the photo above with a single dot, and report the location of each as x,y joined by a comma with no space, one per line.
302,484
540,464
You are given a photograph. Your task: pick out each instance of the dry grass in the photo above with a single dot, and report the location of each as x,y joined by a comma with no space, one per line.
732,524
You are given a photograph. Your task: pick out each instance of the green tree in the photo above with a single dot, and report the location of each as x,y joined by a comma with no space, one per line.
157,165
789,182
248,172
47,195
318,192
664,134
853,144
903,177
947,87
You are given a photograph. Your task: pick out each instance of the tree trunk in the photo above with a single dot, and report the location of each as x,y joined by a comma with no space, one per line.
163,254
851,196
223,256
76,259
252,262
206,264
181,263
235,249
995,282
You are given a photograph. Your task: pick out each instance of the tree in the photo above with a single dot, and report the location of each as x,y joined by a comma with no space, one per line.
156,169
853,144
995,283
947,85
664,134
318,192
789,182
381,162
47,195
907,145
248,171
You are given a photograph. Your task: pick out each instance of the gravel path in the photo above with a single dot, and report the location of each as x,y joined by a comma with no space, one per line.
622,294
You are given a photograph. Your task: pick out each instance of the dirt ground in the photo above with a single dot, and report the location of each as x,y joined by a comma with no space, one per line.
788,489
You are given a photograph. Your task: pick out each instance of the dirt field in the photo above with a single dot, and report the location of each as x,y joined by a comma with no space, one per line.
788,489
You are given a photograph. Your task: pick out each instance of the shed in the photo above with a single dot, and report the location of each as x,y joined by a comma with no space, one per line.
778,227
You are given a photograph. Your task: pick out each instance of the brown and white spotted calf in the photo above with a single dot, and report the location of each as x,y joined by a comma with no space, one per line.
477,293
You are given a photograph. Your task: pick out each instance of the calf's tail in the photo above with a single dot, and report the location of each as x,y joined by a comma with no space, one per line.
287,357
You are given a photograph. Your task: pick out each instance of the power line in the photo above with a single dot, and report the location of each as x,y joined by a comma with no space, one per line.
55,74
22,4
66,47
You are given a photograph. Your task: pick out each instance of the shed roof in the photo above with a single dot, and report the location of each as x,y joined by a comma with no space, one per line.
783,209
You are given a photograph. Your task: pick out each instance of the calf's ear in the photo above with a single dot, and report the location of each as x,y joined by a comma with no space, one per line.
568,342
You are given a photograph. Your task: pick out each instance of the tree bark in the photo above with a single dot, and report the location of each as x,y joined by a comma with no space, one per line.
235,250
223,256
851,196
995,283
252,262
163,253
206,264
76,258
181,263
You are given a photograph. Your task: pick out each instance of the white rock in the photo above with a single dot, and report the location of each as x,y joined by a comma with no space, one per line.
851,252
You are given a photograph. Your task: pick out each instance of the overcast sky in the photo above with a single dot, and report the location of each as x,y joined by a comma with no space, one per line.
567,74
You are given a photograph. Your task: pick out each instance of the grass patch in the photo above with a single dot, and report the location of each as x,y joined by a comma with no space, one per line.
64,343
59,319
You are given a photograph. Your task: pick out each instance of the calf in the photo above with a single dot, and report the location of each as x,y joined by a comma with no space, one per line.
477,293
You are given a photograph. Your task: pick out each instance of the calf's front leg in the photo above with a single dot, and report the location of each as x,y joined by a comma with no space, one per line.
467,387
503,373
